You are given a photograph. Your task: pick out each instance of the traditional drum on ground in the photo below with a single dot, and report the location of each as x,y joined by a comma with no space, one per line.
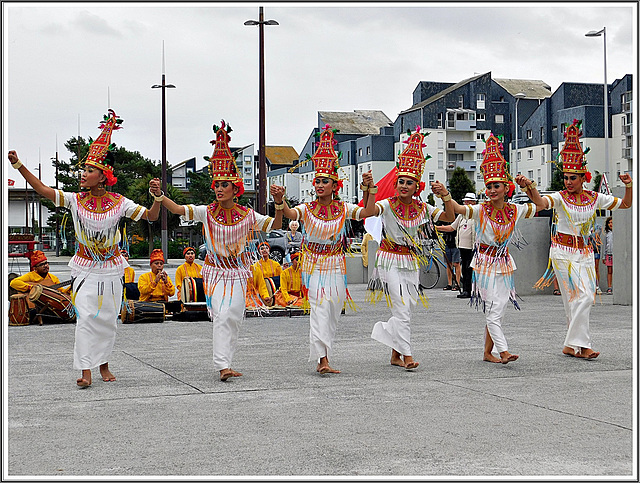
18,310
131,291
136,311
52,300
192,290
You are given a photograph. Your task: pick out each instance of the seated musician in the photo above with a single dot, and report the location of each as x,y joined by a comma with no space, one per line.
255,284
156,286
268,269
130,291
129,272
188,269
39,274
290,293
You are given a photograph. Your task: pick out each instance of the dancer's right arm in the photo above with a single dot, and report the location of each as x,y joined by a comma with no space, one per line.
41,188
173,207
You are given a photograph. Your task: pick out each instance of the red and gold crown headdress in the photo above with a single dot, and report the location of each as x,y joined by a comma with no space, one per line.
573,160
100,149
494,167
325,159
222,163
411,161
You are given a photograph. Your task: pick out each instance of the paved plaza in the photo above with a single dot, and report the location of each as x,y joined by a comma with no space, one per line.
168,415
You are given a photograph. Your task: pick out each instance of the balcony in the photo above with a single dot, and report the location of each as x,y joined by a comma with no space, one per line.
461,125
461,146
627,153
627,129
466,165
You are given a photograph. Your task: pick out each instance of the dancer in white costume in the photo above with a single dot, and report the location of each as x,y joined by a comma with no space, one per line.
493,266
97,266
570,255
404,219
229,231
324,274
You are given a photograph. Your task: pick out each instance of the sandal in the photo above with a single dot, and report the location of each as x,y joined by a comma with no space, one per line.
448,287
556,292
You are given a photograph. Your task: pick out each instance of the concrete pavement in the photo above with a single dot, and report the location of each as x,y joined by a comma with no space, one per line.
455,416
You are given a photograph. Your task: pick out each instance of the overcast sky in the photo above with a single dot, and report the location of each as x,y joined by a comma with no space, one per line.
65,63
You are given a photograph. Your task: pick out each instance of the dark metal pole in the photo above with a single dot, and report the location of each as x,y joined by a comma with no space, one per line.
57,210
165,241
262,162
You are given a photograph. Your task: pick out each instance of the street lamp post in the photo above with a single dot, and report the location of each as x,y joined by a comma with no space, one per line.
163,86
598,33
262,163
518,96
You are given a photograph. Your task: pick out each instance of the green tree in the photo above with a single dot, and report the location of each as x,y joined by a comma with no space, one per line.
200,192
557,180
460,184
596,180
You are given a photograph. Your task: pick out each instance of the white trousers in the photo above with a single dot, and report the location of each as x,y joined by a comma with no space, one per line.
402,291
95,334
226,307
326,306
497,298
577,273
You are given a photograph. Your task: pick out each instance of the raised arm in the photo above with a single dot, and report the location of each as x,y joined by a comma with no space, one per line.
281,206
451,207
529,187
628,192
41,188
169,204
369,197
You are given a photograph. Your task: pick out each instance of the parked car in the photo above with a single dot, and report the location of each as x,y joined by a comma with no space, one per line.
276,239
521,198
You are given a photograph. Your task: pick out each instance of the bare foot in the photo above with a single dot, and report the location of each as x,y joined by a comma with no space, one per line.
491,358
409,363
106,374
396,358
235,373
326,369
85,380
226,374
587,353
568,351
506,357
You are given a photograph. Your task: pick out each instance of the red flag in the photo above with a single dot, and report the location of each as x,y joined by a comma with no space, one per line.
11,182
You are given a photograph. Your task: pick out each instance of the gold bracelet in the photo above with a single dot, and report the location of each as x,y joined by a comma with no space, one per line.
17,165
629,184
279,206
373,190
157,198
364,187
446,197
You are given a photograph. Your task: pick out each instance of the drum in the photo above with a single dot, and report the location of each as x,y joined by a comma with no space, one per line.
131,291
136,311
54,301
273,284
192,290
18,310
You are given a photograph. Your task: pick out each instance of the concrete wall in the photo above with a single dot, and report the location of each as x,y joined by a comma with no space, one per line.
623,260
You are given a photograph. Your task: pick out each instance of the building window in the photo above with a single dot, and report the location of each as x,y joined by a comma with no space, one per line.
542,160
529,135
563,127
519,156
247,159
480,98
530,174
479,136
432,176
499,118
539,177
481,117
440,160
368,150
478,156
530,156
451,120
472,116
461,101
440,140
247,181
542,134
360,152
440,120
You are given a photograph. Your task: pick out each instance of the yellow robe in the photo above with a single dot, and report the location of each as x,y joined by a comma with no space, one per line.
152,292
290,292
192,270
129,275
265,269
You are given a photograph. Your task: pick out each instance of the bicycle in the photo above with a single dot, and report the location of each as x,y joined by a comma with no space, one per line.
430,271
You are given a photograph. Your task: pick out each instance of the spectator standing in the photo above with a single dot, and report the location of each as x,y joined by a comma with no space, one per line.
608,252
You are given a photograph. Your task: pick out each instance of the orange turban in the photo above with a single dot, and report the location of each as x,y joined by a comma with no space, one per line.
184,252
37,257
156,255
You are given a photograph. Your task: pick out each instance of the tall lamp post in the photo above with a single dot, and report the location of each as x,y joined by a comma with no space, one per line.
163,86
518,96
262,163
598,33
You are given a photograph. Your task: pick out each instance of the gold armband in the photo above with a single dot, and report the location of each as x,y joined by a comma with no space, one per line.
629,184
364,187
446,197
17,165
279,206
373,190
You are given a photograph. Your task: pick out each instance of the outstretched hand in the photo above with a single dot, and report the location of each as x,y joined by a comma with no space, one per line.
13,157
367,179
521,180
155,186
438,188
277,192
625,178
